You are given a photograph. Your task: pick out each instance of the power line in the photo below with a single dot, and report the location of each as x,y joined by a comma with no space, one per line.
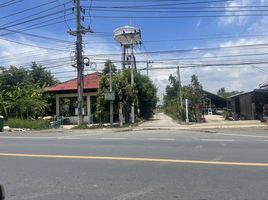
177,16
176,11
165,5
244,47
33,19
9,3
32,45
37,36
26,10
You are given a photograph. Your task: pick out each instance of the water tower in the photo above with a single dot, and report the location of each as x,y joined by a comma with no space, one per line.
128,37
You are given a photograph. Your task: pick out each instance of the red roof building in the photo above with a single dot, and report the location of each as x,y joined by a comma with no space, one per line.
91,82
68,90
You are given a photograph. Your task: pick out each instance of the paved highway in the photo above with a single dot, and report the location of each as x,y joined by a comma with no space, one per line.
151,164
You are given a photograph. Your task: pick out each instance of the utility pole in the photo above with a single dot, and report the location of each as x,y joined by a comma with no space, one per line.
147,67
79,59
132,84
111,90
179,80
187,115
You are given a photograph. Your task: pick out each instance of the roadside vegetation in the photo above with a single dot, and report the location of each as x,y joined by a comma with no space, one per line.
28,123
193,92
143,93
22,97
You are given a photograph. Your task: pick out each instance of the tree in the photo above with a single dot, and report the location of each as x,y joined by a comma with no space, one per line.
120,83
143,93
40,76
12,77
223,93
171,99
22,91
193,92
147,95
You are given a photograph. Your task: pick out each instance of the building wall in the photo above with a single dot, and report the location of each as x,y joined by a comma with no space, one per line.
246,107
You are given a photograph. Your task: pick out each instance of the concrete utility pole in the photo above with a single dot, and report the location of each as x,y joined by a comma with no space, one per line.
132,83
147,67
80,64
111,90
79,59
179,80
187,115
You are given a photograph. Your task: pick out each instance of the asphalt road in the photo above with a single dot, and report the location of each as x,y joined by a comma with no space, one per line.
157,164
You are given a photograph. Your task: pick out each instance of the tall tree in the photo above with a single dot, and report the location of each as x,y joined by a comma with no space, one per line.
41,76
143,92
21,91
223,93
193,92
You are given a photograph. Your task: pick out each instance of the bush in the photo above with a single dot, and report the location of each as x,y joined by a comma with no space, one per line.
28,123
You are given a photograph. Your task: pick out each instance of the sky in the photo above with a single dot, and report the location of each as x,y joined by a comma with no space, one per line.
223,42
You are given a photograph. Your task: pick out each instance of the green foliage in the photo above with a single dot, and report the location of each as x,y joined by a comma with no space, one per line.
120,82
223,93
147,95
22,91
193,92
40,76
143,92
28,123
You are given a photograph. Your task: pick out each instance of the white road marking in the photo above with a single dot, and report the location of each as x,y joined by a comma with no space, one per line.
26,137
50,137
113,138
86,134
68,138
244,135
161,139
217,140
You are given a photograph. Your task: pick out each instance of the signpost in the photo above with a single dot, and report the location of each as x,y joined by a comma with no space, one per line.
109,96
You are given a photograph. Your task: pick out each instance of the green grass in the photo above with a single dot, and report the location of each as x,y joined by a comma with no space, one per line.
27,123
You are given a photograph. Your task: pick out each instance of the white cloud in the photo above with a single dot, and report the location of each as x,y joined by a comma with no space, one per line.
232,8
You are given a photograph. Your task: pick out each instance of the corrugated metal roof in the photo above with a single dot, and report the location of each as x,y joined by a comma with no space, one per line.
91,81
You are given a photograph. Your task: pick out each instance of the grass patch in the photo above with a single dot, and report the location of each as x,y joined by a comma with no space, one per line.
28,123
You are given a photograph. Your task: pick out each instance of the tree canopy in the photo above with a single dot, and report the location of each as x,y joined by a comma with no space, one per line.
193,92
223,93
21,91
143,93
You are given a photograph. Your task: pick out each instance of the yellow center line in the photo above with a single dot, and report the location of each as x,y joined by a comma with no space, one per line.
255,164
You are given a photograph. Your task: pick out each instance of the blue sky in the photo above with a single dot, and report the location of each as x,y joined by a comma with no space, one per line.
158,34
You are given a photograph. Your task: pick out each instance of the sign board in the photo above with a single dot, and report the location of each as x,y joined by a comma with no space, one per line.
109,96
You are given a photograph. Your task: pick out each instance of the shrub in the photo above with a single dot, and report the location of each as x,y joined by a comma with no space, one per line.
28,123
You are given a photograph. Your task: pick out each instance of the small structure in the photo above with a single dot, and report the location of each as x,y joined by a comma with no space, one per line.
215,103
65,95
250,105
